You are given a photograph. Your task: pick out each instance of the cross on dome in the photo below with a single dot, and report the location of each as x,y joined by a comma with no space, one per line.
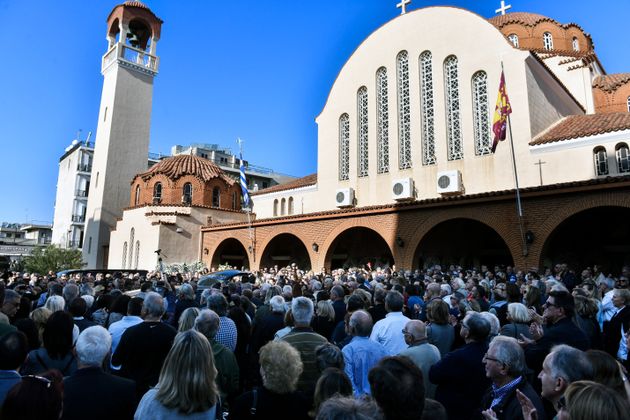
403,6
503,8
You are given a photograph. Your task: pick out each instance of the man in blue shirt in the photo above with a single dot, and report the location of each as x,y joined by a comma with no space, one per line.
13,351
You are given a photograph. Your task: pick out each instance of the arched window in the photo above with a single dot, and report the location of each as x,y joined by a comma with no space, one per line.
216,197
124,256
513,38
601,161
187,193
575,44
234,200
344,147
481,116
428,113
131,238
135,263
623,158
290,209
453,122
283,206
137,196
362,130
157,193
382,119
547,41
628,103
275,207
404,111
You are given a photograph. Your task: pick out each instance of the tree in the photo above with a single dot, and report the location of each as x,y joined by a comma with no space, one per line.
52,258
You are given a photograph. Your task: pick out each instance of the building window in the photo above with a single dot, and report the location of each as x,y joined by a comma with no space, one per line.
187,193
362,130
105,115
131,238
480,113
157,193
89,245
290,209
275,207
547,41
601,161
216,197
623,158
137,198
513,38
575,44
283,206
234,199
382,116
628,103
404,111
124,256
344,147
428,113
135,262
453,122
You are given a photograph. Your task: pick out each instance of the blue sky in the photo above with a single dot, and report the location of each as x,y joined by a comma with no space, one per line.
259,70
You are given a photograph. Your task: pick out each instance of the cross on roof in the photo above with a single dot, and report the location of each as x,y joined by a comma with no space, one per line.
503,8
403,6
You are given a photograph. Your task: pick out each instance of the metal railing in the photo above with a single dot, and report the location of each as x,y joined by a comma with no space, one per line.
78,218
82,167
81,193
131,55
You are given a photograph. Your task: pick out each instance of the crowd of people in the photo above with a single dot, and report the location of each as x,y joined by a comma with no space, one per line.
284,343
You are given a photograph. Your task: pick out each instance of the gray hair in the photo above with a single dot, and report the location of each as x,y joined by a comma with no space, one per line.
277,304
10,294
187,291
302,309
207,323
348,408
54,303
89,300
495,325
518,312
153,304
218,303
570,364
394,301
287,290
93,345
361,323
70,292
510,353
271,292
478,326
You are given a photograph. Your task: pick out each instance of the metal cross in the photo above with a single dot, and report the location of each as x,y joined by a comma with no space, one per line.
540,163
503,8
403,6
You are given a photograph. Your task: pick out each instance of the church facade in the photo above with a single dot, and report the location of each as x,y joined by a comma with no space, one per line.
406,174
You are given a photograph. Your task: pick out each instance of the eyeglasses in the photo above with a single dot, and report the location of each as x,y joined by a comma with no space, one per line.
39,378
492,359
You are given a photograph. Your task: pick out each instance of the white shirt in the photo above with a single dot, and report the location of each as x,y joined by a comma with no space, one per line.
388,332
118,328
607,310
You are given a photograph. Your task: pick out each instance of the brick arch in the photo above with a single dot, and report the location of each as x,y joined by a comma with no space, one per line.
270,236
549,225
212,256
510,238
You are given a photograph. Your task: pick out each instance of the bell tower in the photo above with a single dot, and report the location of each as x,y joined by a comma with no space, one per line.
122,135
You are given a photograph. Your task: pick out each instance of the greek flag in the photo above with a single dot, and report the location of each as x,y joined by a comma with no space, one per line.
243,183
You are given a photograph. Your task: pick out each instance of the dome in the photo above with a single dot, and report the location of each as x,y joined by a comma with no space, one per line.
176,167
139,4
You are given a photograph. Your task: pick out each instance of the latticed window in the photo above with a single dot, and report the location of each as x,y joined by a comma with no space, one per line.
628,103
576,44
157,192
124,255
135,263
216,197
623,158
344,148
428,111
187,193
131,238
382,116
548,41
601,161
513,38
362,130
481,117
453,118
404,112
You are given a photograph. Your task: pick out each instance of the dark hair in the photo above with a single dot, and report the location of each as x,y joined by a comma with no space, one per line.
218,303
513,292
58,334
394,301
564,300
398,388
35,397
481,291
434,410
13,350
328,356
478,326
134,306
119,305
606,371
355,302
437,312
146,286
103,301
333,382
77,307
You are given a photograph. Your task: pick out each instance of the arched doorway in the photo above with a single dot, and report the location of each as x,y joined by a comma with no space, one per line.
597,236
464,242
283,250
358,246
230,252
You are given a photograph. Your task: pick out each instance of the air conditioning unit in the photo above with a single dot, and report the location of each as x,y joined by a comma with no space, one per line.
344,197
450,182
402,189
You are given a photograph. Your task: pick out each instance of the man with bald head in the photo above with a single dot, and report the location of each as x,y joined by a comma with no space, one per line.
361,354
421,352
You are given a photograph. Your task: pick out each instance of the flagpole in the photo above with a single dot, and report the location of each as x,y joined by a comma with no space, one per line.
519,207
248,208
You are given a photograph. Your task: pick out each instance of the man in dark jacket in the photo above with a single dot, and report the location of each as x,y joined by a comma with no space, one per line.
460,375
505,364
92,393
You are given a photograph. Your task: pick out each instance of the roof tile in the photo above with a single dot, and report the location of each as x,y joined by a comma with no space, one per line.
297,183
611,82
576,126
177,166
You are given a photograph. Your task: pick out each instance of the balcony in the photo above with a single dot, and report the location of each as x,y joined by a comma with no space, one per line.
77,218
81,193
131,57
83,167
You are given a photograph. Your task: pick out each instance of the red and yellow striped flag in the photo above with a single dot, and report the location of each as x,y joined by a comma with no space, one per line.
501,112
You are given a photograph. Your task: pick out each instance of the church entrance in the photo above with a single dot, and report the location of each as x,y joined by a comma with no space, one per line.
230,252
598,236
356,247
283,250
464,242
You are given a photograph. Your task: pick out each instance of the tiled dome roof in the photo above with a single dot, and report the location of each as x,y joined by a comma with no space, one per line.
611,82
177,166
136,4
524,18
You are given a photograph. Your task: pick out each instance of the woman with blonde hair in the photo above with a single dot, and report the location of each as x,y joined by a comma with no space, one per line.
587,400
186,388
324,320
280,368
187,319
40,317
519,319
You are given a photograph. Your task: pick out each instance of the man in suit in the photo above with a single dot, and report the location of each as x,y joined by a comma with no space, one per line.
77,309
90,392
